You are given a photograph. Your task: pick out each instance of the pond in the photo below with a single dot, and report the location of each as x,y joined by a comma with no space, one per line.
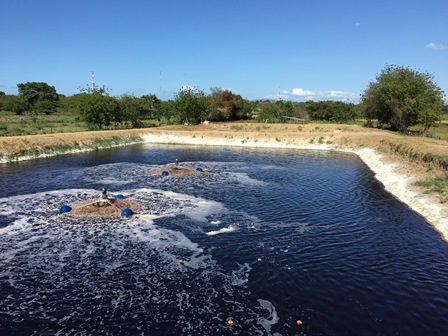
280,242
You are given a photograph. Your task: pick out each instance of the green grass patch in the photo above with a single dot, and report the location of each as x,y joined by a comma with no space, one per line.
236,127
58,122
436,185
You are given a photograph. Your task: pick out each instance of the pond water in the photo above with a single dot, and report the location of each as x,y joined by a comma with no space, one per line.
337,251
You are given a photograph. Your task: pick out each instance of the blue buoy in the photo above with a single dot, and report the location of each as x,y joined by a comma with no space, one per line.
165,173
119,196
199,169
65,208
126,212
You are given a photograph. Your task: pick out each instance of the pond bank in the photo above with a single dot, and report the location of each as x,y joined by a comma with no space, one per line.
373,147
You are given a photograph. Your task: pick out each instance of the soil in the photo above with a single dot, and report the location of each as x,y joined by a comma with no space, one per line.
352,136
103,208
174,171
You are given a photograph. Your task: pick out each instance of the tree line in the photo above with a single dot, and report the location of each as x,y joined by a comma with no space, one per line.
400,97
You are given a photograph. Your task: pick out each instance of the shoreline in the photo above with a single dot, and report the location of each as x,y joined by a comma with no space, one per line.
378,149
398,185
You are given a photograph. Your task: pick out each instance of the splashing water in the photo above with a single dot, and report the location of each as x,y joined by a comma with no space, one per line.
327,249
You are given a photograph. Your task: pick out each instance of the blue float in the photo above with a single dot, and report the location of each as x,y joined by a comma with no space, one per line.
119,196
65,208
126,212
165,173
199,169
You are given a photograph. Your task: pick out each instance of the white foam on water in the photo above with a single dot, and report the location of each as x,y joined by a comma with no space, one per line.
196,208
245,179
240,277
222,230
122,265
16,227
272,319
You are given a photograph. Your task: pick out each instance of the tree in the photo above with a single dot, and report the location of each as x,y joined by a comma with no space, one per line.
132,109
402,97
40,93
97,108
152,106
312,108
192,105
445,109
226,106
268,112
15,104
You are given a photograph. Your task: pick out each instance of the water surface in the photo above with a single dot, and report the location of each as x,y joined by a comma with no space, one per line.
338,252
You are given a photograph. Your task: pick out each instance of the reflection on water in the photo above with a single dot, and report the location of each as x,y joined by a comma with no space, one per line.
336,251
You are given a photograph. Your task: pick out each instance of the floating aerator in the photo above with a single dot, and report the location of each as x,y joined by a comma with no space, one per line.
165,173
119,196
127,212
65,208
199,169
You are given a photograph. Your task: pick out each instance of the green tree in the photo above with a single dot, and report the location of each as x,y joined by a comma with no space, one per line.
37,93
311,108
16,104
402,97
168,111
274,112
192,105
268,112
445,109
341,112
152,106
97,107
70,104
132,109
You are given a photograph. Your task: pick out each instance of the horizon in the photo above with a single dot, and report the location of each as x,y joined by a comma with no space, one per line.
260,50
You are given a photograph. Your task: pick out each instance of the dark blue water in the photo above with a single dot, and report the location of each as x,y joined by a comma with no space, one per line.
338,252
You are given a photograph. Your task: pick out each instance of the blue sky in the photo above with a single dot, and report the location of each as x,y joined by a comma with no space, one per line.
318,49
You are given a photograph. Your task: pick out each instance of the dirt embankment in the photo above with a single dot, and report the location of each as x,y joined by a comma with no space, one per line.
288,134
398,148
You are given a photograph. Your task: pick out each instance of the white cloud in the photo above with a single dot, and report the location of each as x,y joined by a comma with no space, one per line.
301,92
435,46
357,24
302,95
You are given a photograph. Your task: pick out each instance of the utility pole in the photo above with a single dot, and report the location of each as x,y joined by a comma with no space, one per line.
93,80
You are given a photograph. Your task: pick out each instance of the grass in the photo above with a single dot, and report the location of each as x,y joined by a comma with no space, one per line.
439,131
236,127
14,125
437,185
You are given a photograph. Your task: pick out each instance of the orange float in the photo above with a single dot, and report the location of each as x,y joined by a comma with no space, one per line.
230,322
259,259
181,261
299,322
